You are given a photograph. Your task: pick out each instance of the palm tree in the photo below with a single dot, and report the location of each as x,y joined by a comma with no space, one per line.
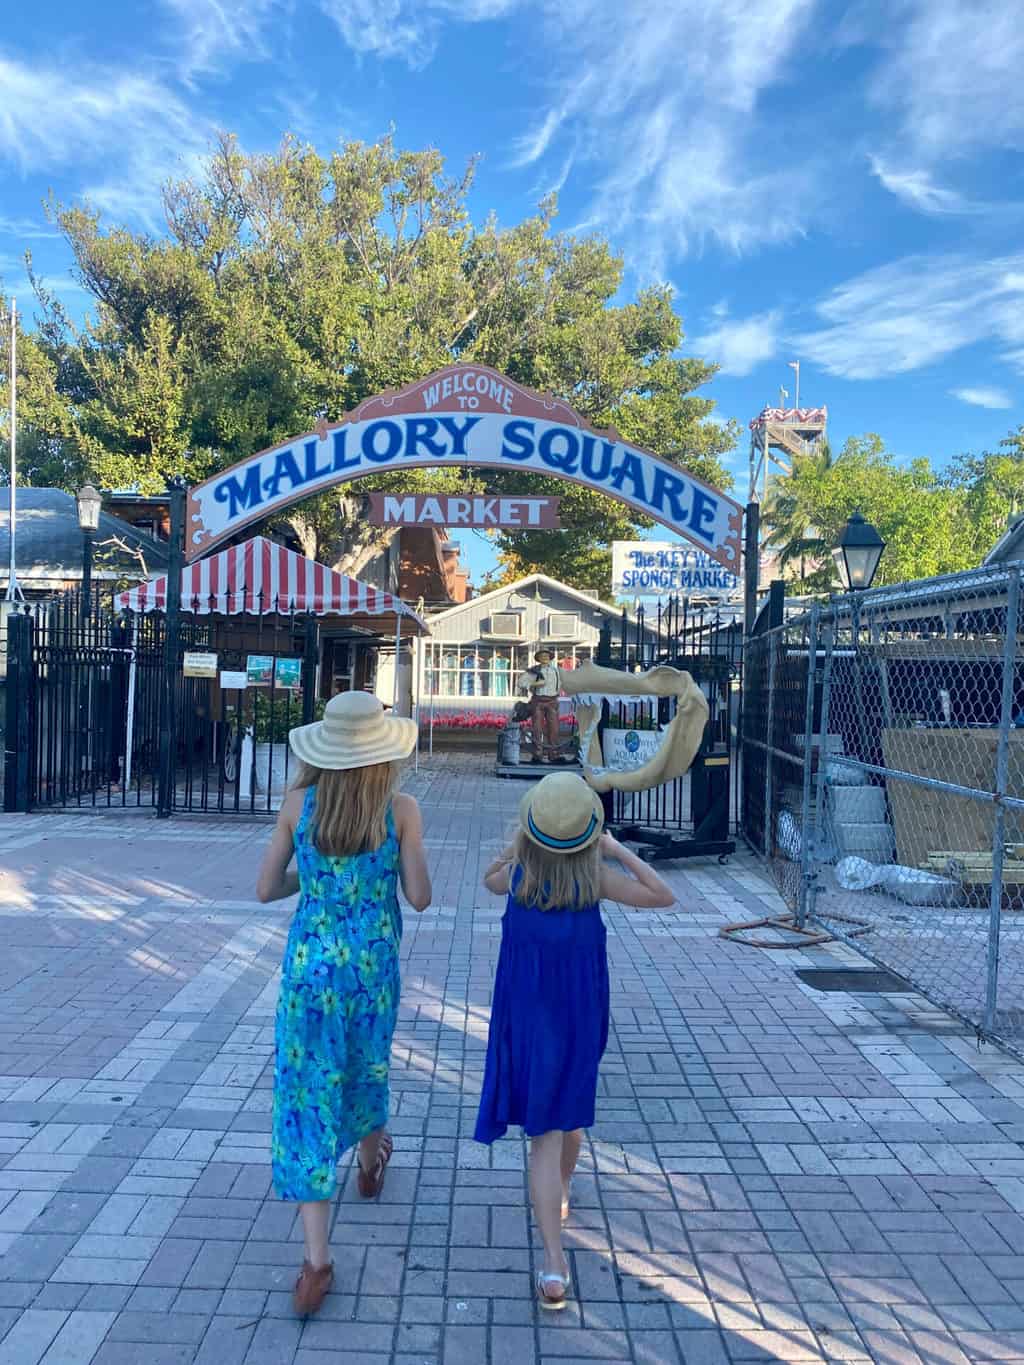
788,519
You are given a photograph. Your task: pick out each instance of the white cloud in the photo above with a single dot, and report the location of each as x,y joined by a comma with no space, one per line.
912,312
984,397
406,30
662,101
918,190
948,87
952,73
26,228
531,146
124,132
740,346
210,33
659,100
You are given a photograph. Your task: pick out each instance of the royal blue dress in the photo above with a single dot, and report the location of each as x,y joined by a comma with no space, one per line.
549,1021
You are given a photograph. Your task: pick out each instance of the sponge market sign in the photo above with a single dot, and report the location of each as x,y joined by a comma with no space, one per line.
465,415
646,568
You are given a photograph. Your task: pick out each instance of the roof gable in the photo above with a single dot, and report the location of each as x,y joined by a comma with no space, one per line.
49,539
552,584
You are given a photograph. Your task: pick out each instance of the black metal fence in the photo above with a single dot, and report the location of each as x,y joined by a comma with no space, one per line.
696,814
101,710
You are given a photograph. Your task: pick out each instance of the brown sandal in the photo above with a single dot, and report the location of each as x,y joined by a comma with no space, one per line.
372,1182
311,1288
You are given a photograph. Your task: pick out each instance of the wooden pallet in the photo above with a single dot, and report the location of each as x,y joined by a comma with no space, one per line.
975,869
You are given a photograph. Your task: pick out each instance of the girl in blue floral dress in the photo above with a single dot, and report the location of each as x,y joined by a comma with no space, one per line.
353,840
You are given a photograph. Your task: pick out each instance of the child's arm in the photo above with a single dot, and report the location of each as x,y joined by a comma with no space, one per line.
412,858
275,882
496,878
644,889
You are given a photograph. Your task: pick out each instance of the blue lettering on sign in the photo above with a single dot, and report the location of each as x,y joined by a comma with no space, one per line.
421,431
633,470
458,433
393,438
593,468
240,496
518,443
703,510
312,470
605,464
667,487
341,460
285,467
559,448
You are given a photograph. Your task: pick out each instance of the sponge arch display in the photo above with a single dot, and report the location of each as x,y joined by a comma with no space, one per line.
681,740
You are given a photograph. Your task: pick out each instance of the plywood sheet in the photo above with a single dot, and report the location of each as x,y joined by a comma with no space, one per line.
926,820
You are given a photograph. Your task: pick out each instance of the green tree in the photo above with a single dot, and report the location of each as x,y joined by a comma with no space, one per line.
926,523
790,510
994,486
291,286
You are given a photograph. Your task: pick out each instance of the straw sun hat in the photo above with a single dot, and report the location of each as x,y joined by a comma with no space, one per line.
562,814
354,733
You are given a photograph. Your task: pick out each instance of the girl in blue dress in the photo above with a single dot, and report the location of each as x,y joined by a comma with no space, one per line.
353,840
549,1015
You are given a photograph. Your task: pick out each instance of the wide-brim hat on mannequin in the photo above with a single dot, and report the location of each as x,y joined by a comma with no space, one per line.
354,733
561,814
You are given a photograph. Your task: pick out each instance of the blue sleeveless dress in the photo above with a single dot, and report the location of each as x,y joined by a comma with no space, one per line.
549,1021
336,1011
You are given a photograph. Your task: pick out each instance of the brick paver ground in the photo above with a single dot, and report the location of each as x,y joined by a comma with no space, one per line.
775,1174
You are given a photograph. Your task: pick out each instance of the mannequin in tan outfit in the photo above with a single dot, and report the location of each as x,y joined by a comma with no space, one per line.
541,685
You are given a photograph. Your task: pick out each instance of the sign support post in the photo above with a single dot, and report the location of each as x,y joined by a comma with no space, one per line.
310,658
751,565
172,641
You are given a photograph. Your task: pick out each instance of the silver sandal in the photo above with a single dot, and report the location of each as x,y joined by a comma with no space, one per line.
553,1302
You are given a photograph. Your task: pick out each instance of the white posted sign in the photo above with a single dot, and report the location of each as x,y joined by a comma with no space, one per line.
652,568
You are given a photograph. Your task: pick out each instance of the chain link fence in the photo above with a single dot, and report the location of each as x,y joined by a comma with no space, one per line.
883,780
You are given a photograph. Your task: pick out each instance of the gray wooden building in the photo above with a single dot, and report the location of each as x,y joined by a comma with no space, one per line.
476,651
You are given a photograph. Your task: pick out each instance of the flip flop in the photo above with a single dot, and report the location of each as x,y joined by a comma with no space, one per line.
553,1302
372,1182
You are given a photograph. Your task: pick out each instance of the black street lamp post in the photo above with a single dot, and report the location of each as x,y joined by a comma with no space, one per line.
857,554
89,504
856,558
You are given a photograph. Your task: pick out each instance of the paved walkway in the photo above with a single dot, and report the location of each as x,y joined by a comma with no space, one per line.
775,1175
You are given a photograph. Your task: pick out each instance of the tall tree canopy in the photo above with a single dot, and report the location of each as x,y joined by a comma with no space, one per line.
289,287
931,523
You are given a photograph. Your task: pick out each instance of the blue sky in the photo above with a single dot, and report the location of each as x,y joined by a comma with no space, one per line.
838,183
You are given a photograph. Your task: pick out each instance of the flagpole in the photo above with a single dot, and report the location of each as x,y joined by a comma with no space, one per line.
13,592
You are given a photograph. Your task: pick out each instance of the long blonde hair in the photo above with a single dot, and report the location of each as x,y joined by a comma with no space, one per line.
351,806
555,881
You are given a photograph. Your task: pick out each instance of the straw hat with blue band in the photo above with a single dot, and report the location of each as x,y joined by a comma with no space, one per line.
562,814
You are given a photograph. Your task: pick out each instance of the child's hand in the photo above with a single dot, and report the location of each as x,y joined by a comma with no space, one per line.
610,847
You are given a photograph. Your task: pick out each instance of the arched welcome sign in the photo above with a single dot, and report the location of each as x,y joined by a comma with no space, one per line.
463,415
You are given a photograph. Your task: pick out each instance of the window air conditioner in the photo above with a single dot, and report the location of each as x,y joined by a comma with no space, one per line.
507,625
563,625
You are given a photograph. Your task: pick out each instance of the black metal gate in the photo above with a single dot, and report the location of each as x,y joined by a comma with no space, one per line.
695,815
83,706
99,711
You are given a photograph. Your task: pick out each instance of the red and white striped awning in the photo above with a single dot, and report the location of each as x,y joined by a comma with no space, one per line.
258,577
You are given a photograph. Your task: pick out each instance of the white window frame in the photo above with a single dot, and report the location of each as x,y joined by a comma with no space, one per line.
439,674
571,634
502,634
